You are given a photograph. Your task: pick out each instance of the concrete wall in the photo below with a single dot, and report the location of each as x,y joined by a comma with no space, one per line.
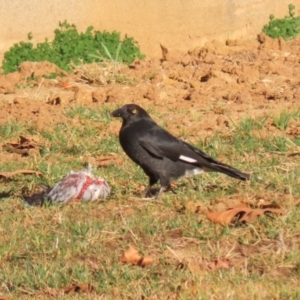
178,24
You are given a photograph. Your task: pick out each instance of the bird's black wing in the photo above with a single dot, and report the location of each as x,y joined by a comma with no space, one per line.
161,144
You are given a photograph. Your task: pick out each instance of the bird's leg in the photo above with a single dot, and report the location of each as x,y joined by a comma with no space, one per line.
162,189
147,190
152,181
160,192
164,184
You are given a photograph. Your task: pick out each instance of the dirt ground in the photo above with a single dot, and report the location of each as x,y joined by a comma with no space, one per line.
214,86
193,94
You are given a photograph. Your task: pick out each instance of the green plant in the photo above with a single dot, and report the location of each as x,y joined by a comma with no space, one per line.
70,46
282,121
287,27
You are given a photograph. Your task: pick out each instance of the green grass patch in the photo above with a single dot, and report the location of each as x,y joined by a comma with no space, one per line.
55,246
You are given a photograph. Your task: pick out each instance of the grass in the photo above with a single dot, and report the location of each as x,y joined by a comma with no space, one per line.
44,249
282,121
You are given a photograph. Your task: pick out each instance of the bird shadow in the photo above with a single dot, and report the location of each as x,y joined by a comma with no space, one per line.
38,198
4,195
154,191
151,194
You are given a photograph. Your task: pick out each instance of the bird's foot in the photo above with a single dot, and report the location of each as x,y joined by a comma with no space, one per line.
170,188
149,195
147,192
160,192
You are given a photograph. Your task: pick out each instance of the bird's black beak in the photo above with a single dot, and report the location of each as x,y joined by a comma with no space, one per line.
117,113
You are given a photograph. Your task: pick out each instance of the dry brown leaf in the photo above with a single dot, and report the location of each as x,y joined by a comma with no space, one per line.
194,206
268,205
255,213
108,160
293,154
51,292
226,217
78,287
114,292
242,213
219,264
132,256
24,172
297,202
71,289
66,85
24,146
145,261
175,233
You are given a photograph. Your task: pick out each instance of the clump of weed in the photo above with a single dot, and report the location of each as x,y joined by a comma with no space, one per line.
282,121
287,27
108,71
70,46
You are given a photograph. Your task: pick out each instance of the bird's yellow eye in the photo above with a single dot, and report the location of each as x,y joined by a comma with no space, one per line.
134,111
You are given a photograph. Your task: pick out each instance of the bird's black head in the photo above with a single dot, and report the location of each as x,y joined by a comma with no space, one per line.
130,113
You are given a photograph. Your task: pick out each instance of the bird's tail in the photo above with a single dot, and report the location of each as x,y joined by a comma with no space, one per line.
230,171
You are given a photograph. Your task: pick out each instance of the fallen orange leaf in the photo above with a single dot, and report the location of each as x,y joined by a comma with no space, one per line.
50,292
226,217
219,264
25,172
78,287
71,289
131,255
242,213
24,146
251,216
146,260
107,160
66,85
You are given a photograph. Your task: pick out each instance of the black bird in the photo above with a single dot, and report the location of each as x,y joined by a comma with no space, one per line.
162,156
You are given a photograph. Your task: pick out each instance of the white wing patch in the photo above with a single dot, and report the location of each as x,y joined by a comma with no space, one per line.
187,159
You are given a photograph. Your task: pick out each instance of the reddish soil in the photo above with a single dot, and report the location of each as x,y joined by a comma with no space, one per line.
211,87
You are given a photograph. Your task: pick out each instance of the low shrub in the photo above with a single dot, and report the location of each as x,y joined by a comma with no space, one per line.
70,46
